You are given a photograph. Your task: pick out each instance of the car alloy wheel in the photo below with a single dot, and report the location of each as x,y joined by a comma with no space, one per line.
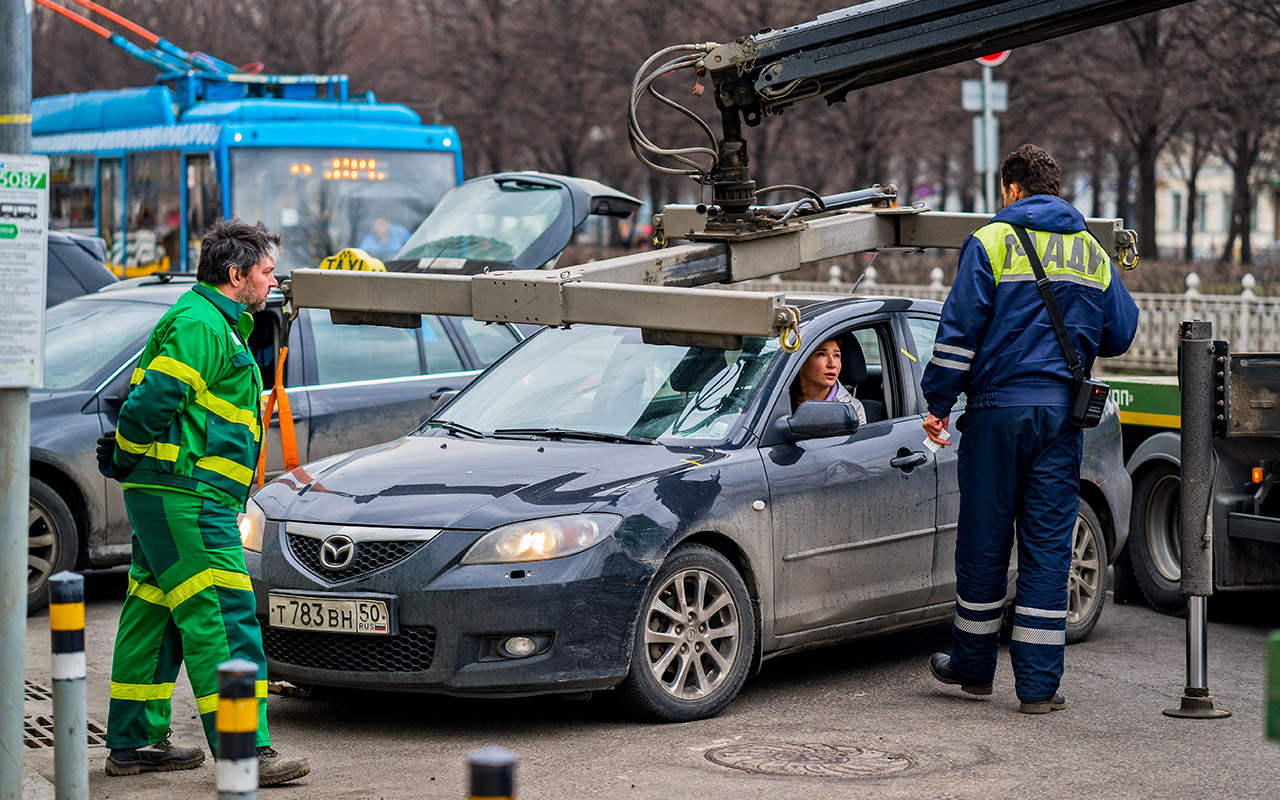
1087,579
51,542
694,638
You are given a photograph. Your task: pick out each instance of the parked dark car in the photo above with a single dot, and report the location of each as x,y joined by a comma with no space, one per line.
75,266
597,512
349,385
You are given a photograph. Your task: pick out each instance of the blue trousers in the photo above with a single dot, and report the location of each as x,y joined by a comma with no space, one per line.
1017,465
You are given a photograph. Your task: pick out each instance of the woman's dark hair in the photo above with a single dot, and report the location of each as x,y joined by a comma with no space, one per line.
1031,168
234,243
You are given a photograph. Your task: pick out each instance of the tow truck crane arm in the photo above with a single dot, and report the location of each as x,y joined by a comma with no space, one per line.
732,239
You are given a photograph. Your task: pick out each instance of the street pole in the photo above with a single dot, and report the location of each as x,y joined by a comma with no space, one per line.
988,140
15,427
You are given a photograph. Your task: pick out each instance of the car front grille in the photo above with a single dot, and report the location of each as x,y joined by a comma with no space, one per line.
371,556
411,651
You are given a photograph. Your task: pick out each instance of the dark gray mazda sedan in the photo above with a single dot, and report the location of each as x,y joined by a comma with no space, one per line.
597,512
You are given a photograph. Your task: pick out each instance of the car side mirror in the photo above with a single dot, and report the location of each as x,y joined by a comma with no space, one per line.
442,399
818,419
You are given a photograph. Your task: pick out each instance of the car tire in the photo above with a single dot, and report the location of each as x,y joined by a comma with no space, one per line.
1087,581
1155,537
52,542
690,667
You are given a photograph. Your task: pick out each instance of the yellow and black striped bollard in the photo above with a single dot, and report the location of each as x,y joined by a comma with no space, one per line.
70,715
237,723
492,774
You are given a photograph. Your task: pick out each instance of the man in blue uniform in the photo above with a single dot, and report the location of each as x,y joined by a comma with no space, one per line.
1019,458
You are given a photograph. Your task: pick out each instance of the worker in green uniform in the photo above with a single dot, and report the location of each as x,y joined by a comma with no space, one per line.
185,447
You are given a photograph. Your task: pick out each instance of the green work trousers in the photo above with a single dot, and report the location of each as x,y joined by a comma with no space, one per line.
189,600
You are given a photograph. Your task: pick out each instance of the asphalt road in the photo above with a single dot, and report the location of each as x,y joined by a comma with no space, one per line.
918,739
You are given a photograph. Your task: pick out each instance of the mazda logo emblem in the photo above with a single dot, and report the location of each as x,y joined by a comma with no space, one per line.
337,552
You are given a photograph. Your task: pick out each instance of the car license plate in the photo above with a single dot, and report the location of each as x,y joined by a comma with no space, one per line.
332,614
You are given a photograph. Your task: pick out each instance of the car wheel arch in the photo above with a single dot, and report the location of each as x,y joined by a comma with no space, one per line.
71,494
727,547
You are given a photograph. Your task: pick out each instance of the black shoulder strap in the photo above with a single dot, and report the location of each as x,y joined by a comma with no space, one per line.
1055,314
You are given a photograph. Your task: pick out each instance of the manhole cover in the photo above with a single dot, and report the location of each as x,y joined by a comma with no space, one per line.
814,760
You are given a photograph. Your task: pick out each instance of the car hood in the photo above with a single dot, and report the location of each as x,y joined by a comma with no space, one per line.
451,482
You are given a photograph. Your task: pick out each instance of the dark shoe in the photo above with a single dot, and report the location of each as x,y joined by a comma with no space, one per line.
159,757
1045,706
274,768
940,666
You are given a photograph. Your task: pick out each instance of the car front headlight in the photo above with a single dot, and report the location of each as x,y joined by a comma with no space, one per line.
541,539
252,523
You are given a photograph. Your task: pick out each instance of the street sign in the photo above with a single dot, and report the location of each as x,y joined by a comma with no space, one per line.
971,95
993,60
24,234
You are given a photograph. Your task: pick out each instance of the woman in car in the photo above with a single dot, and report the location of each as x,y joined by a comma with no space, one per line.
819,379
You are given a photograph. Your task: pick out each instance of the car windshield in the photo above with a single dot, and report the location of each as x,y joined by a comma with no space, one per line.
81,336
606,380
487,220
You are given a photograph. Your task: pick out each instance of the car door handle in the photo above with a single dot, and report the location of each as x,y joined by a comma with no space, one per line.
909,461
438,392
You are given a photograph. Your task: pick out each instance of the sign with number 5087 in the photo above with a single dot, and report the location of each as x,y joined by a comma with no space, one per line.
23,180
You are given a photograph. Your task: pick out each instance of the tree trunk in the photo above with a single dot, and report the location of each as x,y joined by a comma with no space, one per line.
1146,151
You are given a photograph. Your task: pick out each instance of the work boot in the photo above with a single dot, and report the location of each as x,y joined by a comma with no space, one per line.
274,768
159,757
1044,706
940,666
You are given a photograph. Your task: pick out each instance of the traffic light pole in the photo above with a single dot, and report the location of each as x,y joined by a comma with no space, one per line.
15,428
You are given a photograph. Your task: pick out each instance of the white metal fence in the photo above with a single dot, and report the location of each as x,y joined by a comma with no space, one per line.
1250,323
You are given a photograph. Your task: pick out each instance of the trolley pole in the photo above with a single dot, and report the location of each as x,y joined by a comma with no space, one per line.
237,723
492,774
1198,382
15,427
70,711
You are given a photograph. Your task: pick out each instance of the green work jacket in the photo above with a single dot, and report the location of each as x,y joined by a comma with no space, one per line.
190,421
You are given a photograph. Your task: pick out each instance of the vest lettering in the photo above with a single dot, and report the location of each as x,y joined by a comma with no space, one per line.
1053,253
1078,249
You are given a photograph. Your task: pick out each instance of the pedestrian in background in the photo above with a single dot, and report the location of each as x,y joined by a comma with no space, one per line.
185,447
1019,458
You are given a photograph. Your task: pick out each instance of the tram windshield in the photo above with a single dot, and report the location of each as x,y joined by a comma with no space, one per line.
322,200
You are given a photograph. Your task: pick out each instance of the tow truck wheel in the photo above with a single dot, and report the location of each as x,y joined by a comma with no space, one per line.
1087,581
1155,537
693,640
51,542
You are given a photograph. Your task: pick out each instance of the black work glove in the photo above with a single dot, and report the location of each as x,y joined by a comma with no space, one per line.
106,455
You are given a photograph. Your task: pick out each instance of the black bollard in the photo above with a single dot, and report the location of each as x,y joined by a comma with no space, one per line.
237,723
70,714
492,774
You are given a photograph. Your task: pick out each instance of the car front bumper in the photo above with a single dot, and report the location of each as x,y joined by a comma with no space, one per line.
581,609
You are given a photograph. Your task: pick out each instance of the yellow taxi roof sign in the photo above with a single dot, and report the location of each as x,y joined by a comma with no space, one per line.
355,259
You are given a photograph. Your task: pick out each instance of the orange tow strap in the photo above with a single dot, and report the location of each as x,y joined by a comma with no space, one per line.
288,443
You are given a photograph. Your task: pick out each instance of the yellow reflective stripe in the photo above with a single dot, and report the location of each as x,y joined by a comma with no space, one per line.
141,691
163,452
147,592
177,370
227,468
138,374
130,447
260,688
203,580
228,411
207,704
232,580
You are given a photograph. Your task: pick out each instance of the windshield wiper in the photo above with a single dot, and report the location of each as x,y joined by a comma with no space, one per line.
562,433
454,427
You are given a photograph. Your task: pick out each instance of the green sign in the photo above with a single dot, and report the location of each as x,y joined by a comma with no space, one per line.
8,231
22,180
